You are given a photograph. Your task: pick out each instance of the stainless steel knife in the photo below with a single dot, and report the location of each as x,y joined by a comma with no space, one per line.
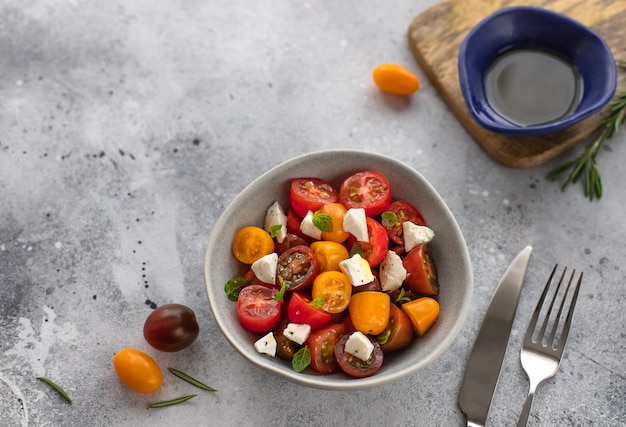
485,361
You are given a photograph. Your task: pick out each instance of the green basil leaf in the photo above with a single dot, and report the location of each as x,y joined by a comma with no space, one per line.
283,288
234,286
384,337
275,229
388,219
322,221
301,359
318,302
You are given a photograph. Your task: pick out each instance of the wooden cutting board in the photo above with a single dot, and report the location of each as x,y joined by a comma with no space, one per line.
437,33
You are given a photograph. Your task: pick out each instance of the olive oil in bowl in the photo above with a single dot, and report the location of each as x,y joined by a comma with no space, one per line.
530,87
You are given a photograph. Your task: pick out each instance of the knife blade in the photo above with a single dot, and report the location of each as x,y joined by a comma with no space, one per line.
485,361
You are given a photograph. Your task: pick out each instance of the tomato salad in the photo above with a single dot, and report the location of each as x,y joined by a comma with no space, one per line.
340,278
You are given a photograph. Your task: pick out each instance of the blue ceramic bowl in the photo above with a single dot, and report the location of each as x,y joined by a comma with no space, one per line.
535,29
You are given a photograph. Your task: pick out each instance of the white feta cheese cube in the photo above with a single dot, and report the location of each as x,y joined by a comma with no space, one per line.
297,332
266,345
276,216
308,228
359,345
264,268
415,235
357,269
392,272
355,223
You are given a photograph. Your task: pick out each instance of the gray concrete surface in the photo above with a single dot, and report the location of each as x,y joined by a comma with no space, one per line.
127,127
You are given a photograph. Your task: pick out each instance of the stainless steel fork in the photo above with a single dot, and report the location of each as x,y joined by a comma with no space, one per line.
541,352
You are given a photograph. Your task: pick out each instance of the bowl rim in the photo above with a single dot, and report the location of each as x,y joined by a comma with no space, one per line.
492,120
327,382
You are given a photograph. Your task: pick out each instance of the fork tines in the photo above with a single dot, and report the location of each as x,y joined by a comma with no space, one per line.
567,301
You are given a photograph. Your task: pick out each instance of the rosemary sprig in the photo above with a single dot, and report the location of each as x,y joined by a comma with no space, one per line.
585,165
183,376
56,387
171,402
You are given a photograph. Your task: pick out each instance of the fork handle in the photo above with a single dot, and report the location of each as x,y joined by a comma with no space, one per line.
523,418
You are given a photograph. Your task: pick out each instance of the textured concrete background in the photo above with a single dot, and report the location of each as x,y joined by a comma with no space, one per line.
127,127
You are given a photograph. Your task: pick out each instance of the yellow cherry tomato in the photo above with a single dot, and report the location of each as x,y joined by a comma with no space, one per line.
336,211
369,311
252,243
137,370
335,287
329,254
395,79
423,313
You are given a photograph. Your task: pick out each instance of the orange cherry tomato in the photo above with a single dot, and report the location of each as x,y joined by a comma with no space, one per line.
336,211
369,311
252,243
329,254
423,313
395,79
335,287
137,370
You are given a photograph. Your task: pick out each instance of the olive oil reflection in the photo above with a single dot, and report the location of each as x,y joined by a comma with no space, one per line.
532,87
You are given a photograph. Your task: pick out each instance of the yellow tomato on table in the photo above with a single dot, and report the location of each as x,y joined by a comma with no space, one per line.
395,79
137,370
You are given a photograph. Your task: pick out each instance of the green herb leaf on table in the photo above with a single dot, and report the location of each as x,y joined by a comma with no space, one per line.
171,402
183,376
585,165
56,387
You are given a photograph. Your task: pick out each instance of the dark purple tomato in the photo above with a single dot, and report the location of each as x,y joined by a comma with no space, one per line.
171,327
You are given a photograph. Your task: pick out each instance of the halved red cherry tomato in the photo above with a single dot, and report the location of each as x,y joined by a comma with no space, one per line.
300,310
321,344
354,366
369,190
293,225
403,211
171,327
399,331
297,267
375,250
421,272
257,309
310,194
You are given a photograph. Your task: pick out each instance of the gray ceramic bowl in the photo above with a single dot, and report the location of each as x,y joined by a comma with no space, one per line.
448,249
